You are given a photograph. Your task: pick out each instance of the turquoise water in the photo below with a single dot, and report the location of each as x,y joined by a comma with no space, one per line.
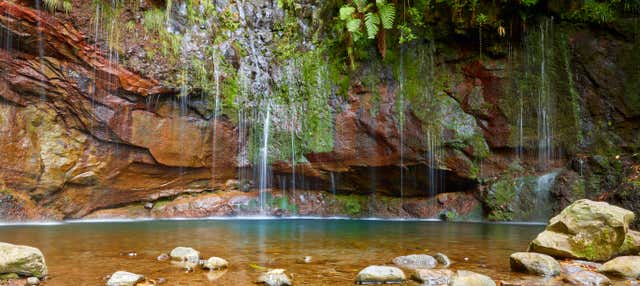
84,253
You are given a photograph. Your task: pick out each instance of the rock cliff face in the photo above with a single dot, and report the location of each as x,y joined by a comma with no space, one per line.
87,134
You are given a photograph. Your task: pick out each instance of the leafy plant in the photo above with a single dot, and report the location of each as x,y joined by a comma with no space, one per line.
55,5
367,18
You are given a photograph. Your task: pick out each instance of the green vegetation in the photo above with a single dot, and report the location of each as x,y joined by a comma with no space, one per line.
55,5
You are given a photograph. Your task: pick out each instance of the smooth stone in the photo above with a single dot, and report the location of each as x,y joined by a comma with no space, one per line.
534,263
185,254
163,257
531,282
123,278
380,274
432,277
586,229
215,275
623,266
442,259
586,278
215,263
415,261
275,277
33,281
22,260
469,278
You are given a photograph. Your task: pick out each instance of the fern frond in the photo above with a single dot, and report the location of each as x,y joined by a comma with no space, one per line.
353,25
346,12
361,5
387,15
371,22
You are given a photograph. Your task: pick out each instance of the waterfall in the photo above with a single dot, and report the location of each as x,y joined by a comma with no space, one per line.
216,113
402,119
333,184
264,159
545,104
542,189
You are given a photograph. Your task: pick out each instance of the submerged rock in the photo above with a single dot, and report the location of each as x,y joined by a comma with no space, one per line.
215,263
275,277
623,266
442,259
415,261
185,254
469,278
432,277
33,281
22,260
123,278
585,230
586,278
163,257
380,274
534,263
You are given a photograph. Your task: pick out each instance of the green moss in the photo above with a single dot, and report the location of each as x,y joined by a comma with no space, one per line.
352,204
9,276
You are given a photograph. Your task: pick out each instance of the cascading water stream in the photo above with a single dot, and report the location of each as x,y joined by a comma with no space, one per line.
216,113
545,106
264,160
542,192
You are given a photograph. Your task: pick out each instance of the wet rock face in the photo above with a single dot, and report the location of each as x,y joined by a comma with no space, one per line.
82,134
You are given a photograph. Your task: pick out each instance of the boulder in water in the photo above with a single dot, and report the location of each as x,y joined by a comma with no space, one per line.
585,230
432,277
586,278
442,259
185,254
534,263
123,278
380,274
275,277
22,260
469,278
416,261
215,263
623,266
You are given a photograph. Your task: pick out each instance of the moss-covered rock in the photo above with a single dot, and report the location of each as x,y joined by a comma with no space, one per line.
585,230
22,260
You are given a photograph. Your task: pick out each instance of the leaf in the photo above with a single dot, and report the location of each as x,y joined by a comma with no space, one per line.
380,2
387,15
346,12
258,267
371,22
361,4
353,25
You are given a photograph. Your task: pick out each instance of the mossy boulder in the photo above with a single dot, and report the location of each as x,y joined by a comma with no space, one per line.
22,260
585,230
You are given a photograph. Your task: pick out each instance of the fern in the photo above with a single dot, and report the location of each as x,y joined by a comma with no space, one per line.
346,12
353,25
387,14
53,5
371,22
67,6
361,4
